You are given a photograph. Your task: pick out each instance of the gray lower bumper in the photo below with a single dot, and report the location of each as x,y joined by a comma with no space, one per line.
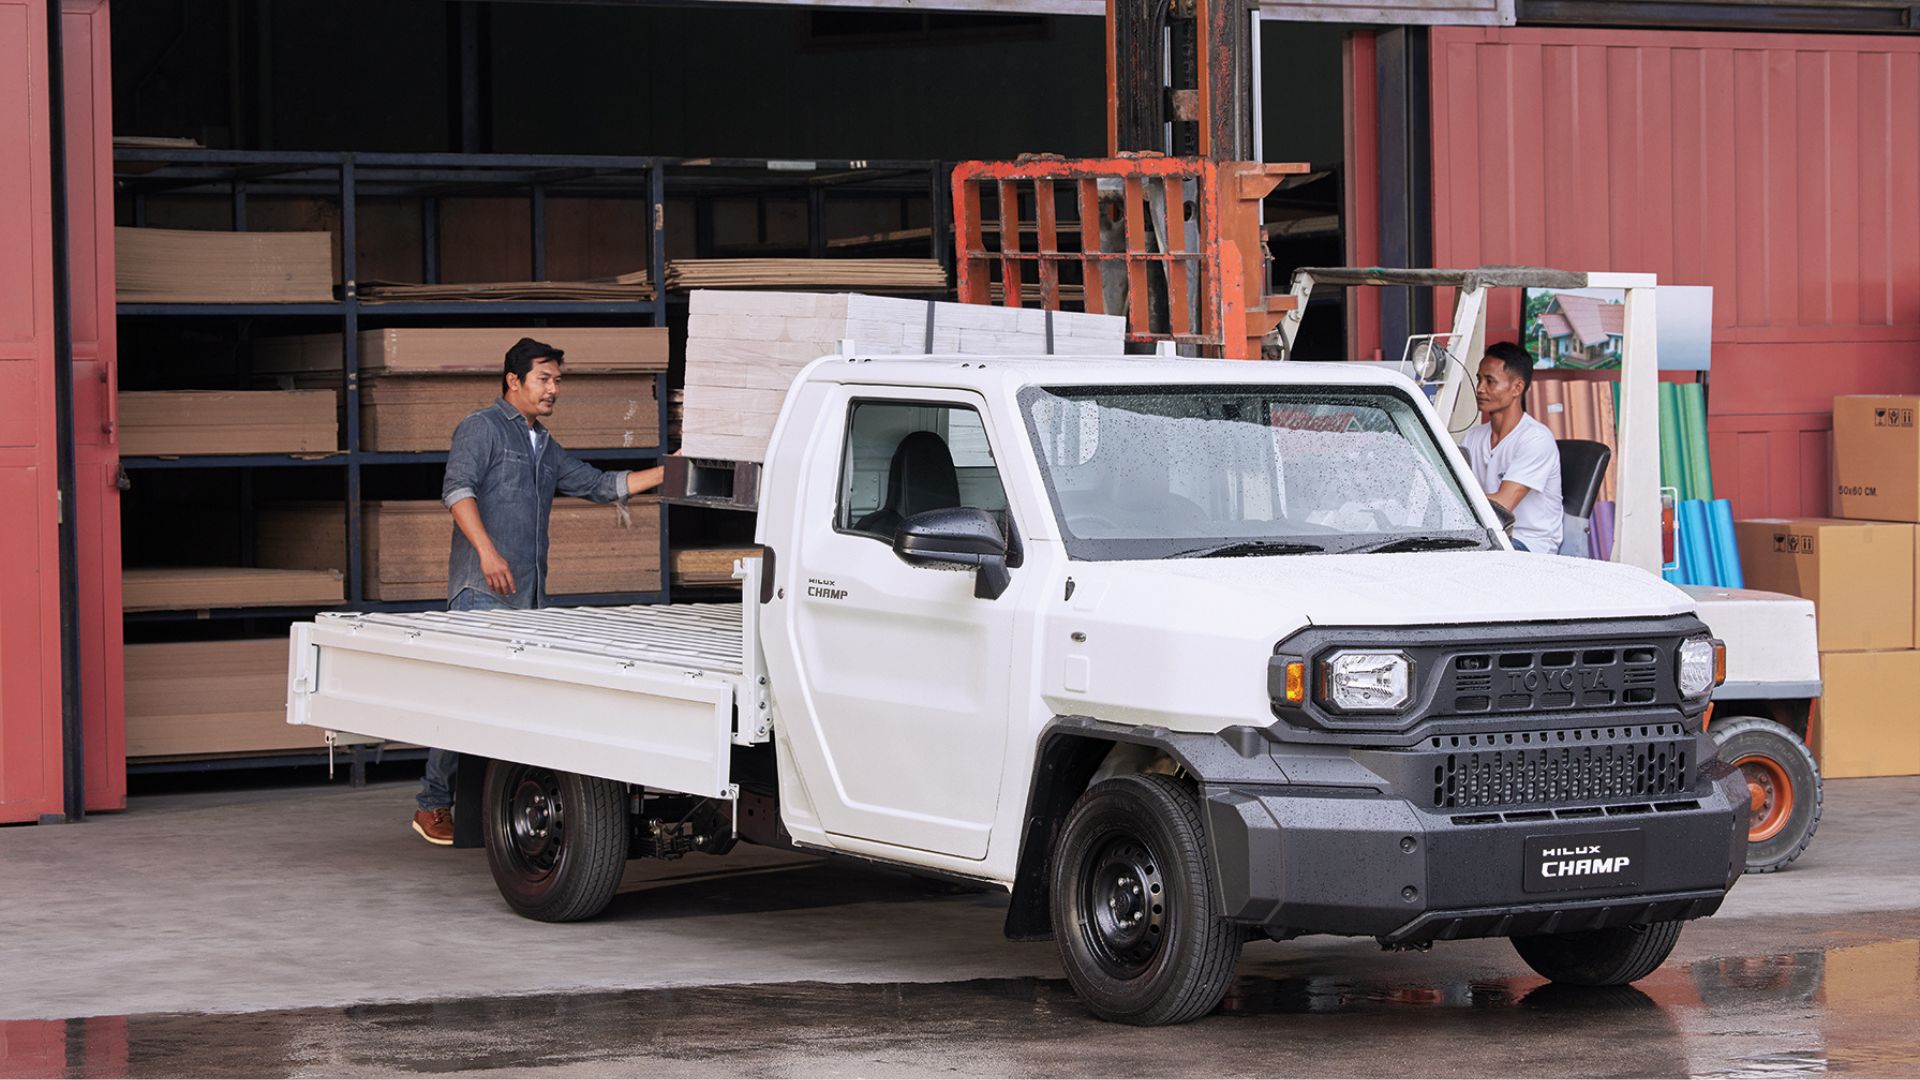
1377,865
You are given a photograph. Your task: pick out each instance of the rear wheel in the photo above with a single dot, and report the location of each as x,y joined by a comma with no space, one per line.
1612,957
556,841
1783,789
1133,914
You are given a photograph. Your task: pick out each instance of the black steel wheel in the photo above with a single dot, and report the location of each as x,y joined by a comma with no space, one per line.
556,841
1615,956
1783,788
1133,914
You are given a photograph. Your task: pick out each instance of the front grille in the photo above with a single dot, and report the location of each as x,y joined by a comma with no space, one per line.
1538,768
1555,679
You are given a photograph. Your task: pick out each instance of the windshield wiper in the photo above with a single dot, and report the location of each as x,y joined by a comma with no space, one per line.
1249,547
1419,543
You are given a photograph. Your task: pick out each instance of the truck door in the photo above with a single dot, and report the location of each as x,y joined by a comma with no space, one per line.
906,671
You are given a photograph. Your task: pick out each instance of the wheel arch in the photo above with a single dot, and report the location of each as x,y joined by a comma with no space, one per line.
1794,714
1070,755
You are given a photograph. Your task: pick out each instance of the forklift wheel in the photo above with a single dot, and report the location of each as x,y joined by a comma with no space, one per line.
1783,786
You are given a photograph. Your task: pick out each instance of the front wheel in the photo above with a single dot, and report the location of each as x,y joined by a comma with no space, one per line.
1134,917
1615,956
1783,789
556,841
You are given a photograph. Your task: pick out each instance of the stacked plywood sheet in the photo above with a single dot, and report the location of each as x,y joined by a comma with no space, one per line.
594,411
420,382
634,286
154,422
744,348
193,266
406,543
198,698
443,350
200,588
893,275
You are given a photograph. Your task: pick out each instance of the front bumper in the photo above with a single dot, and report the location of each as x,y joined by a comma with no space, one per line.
1301,861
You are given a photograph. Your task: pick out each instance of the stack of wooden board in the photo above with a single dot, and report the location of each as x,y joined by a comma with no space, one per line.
594,411
893,275
198,698
202,588
158,422
702,568
405,545
465,350
420,382
634,286
192,266
744,348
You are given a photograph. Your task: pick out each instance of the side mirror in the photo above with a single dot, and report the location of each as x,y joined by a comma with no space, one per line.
957,536
1505,516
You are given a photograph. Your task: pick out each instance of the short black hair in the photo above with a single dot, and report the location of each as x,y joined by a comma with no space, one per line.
525,353
1518,360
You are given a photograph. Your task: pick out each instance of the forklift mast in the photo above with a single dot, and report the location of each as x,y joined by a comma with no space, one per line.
1180,78
1167,229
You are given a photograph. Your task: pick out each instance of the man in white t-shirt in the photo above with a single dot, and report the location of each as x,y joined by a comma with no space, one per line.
1514,456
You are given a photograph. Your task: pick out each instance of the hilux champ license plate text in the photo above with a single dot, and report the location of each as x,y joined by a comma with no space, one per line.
1584,861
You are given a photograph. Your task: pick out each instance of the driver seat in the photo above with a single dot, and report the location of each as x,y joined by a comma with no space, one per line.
921,477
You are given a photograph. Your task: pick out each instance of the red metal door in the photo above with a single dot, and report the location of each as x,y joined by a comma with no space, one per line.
1783,170
89,117
29,577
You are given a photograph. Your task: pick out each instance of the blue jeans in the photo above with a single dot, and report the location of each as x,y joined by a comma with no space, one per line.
436,787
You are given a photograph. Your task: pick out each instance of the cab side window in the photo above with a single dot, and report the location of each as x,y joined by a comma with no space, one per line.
905,459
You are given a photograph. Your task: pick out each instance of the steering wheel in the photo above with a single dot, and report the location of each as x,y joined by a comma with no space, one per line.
1079,522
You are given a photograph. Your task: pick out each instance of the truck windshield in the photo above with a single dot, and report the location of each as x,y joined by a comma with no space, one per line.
1198,471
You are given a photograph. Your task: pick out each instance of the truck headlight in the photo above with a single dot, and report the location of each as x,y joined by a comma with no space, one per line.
1702,666
1366,681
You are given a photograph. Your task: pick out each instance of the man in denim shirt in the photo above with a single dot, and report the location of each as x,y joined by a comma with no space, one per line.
501,476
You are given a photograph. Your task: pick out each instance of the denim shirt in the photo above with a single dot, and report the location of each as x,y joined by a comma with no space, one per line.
512,478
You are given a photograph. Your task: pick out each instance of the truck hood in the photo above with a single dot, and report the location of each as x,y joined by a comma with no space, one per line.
1427,588
1184,643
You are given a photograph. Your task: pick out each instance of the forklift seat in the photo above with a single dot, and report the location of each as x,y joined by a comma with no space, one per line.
1583,464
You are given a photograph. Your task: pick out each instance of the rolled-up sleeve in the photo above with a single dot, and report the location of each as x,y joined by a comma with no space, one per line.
466,461
583,481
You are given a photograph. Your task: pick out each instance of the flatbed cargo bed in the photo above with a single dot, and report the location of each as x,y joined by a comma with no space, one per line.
645,695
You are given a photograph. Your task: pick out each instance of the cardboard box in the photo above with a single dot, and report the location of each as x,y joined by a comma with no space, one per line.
1866,724
1876,457
1859,575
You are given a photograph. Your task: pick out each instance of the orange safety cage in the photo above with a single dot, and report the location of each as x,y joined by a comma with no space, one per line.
1173,244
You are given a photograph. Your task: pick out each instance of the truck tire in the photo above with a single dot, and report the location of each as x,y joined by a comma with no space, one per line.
1135,919
1783,783
556,841
1615,956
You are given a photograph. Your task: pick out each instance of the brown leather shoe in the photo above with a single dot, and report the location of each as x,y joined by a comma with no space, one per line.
435,826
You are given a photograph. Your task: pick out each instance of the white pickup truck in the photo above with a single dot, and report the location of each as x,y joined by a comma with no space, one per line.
1178,652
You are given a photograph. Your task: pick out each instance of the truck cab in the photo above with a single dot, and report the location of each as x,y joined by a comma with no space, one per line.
1177,652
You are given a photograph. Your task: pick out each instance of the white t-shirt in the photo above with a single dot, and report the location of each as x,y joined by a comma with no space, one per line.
1528,456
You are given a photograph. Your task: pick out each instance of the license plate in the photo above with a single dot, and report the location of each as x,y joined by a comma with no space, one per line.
1583,861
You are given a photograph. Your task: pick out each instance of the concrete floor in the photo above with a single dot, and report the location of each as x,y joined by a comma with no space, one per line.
308,932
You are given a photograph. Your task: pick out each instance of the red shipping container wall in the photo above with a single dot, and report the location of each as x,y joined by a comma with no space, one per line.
29,554
1359,71
1783,170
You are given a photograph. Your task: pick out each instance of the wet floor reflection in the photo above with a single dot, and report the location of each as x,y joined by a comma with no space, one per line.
1843,1010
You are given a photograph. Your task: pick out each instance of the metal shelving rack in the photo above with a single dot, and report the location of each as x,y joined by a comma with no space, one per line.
817,181
347,177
